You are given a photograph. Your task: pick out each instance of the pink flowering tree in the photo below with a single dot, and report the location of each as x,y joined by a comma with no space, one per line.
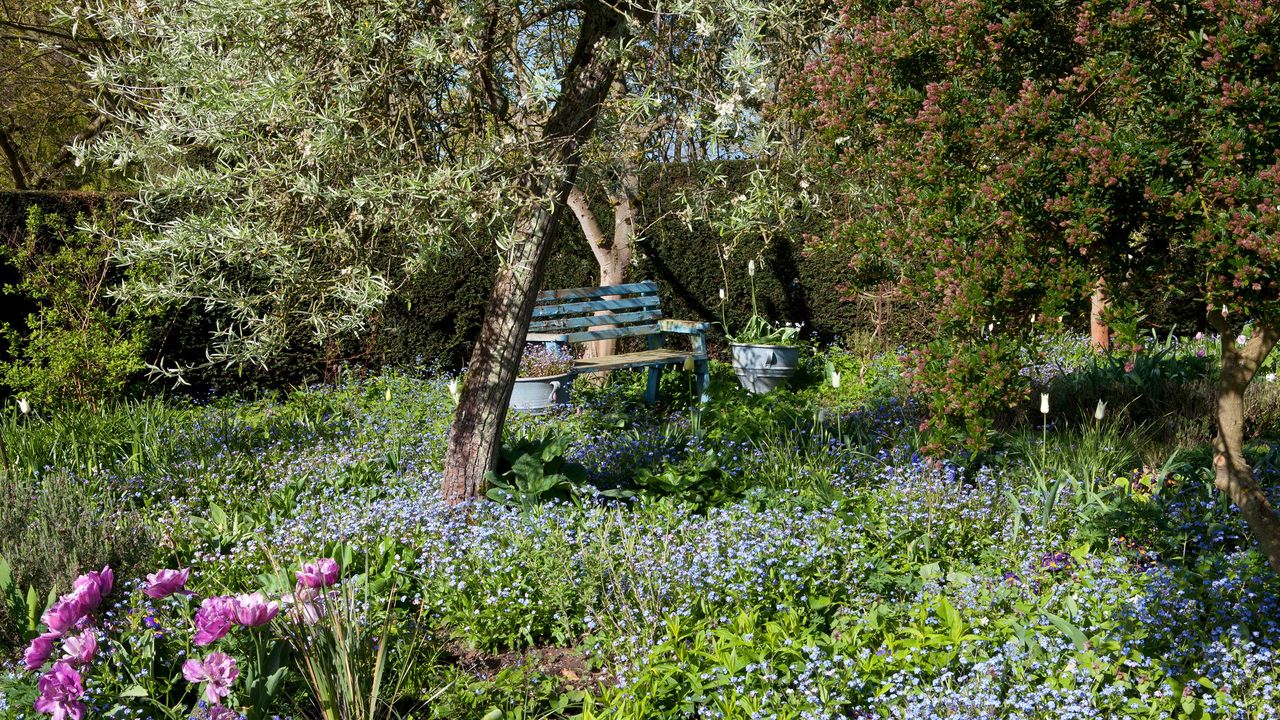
998,158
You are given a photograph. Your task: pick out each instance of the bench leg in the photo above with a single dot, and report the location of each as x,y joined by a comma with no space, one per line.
703,370
651,386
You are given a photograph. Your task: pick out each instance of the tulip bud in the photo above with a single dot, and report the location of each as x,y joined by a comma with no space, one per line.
453,390
1100,411
688,364
721,294
388,394
751,268
1044,403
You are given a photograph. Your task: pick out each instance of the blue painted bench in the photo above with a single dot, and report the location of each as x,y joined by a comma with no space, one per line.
582,315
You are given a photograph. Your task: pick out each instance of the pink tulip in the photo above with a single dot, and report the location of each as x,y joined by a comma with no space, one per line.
39,651
254,610
64,613
213,619
218,670
221,712
321,573
60,693
91,587
163,583
306,602
80,649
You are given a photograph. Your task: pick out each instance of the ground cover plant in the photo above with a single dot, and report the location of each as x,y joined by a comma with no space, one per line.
793,555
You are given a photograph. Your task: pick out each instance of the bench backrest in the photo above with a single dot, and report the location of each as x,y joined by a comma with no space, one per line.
633,310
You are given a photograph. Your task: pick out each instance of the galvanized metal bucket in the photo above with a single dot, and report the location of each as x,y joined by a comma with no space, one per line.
761,368
536,395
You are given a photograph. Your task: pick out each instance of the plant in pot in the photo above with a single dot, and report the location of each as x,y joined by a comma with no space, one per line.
545,375
764,355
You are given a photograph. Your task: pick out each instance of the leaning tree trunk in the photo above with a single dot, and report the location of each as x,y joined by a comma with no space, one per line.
1232,474
476,434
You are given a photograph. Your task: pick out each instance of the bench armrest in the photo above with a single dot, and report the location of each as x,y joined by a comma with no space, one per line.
546,337
686,327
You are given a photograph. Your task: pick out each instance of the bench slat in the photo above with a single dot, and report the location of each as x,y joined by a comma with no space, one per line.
593,320
648,286
629,331
637,359
643,302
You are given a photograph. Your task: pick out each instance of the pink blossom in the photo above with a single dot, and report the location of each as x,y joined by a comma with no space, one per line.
80,649
91,587
39,651
307,604
218,670
163,583
60,693
221,712
254,610
321,573
213,619
64,613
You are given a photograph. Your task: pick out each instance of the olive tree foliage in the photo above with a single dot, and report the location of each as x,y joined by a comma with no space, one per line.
1000,157
726,74
296,161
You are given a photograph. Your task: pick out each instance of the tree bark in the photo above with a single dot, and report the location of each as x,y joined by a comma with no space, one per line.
1232,474
12,156
1099,333
613,255
476,434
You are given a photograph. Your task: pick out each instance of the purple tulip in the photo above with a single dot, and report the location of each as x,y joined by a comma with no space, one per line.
80,649
221,712
213,619
60,693
39,651
218,670
163,583
321,573
307,602
64,613
91,587
254,610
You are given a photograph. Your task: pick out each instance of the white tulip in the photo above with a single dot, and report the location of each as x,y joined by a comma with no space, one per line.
1100,411
835,380
751,268
721,294
1044,403
24,406
453,390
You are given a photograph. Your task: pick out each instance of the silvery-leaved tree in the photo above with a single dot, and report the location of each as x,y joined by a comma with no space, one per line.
295,161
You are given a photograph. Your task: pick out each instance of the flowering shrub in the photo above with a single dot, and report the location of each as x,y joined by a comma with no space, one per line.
540,361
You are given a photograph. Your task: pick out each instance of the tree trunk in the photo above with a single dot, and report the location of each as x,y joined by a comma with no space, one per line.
613,255
14,158
476,434
1232,474
1099,333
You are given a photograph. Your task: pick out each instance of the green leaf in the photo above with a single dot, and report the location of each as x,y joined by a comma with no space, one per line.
134,691
1071,631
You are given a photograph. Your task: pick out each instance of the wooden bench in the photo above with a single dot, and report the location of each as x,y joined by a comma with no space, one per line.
581,315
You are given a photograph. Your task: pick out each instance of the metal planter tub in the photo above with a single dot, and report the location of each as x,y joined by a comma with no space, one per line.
536,395
761,368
